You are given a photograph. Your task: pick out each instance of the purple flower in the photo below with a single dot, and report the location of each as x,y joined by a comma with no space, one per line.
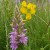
14,43
24,30
16,37
23,38
15,27
14,46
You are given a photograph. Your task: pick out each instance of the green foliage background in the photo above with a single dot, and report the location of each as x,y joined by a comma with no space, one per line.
38,28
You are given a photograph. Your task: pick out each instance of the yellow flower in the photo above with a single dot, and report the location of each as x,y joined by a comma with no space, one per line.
33,11
24,3
28,16
23,10
29,5
34,6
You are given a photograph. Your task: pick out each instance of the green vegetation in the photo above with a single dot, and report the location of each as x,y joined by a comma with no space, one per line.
38,28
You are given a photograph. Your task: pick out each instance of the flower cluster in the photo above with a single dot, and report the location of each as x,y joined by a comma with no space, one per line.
28,9
18,34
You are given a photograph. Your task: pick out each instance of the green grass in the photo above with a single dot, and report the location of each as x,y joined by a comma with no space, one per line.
38,28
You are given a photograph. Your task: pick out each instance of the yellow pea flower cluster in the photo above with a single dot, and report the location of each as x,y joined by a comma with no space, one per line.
28,9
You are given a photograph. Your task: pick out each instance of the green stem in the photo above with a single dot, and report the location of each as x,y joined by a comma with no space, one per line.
6,37
46,46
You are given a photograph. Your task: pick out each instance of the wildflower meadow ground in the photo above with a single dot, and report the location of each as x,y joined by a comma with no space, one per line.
24,24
